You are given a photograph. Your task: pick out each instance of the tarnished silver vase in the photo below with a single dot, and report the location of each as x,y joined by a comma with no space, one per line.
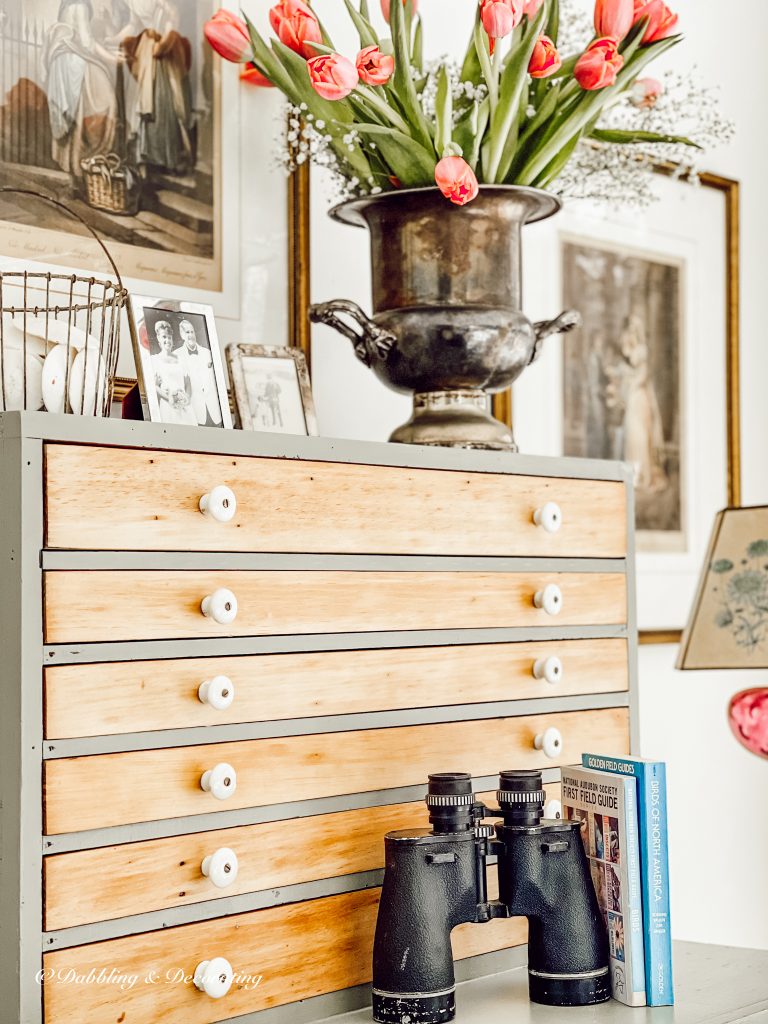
447,290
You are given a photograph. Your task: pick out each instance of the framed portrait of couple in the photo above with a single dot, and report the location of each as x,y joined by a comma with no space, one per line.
179,363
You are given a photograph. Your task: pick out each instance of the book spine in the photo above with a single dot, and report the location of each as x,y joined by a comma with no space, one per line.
634,920
654,868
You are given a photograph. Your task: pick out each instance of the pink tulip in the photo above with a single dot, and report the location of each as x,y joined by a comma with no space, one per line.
456,180
374,67
748,715
253,76
295,25
661,20
599,65
614,18
228,36
531,7
645,93
545,60
385,4
500,17
332,76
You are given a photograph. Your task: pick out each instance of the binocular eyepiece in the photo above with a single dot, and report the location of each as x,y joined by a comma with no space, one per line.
453,808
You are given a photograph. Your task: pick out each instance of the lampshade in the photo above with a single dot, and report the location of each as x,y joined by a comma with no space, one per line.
728,626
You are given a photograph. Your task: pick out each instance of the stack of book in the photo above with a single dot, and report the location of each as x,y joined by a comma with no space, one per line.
622,802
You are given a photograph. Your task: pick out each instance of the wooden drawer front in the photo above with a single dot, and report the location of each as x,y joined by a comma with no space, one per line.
149,500
118,881
119,789
87,607
299,951
107,699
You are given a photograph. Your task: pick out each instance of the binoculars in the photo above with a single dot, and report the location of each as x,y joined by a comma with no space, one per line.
436,879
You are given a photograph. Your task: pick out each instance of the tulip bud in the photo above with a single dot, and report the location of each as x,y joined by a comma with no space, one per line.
661,20
374,67
228,36
253,76
385,6
545,60
599,65
456,180
500,17
332,76
645,93
614,18
296,26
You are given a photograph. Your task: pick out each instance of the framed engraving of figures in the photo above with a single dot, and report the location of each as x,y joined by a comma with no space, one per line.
651,378
623,397
113,106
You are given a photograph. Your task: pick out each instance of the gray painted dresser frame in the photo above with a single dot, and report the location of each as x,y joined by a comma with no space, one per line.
23,654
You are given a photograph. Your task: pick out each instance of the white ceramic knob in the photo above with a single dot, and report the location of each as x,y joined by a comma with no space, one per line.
550,742
550,668
214,977
219,692
221,606
550,599
219,504
221,867
220,782
553,810
549,517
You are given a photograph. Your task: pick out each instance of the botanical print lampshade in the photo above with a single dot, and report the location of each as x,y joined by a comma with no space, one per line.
728,627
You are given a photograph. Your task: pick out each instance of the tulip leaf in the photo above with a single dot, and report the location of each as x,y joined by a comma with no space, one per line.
443,112
553,21
269,64
504,118
410,162
484,57
471,71
364,12
402,81
620,137
417,50
364,28
472,153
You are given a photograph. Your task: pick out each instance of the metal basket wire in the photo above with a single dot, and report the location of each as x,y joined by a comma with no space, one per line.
59,335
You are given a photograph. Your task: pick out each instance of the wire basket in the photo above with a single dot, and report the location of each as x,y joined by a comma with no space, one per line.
59,335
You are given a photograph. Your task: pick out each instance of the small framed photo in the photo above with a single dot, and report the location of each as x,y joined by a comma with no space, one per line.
178,362
272,389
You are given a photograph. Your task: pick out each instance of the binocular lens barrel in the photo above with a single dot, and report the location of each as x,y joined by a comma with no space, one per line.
450,801
521,797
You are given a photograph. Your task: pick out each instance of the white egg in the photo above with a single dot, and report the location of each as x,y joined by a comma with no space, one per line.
12,383
54,383
88,383
57,332
13,337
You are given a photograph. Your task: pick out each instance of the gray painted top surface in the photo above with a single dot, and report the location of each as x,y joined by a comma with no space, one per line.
127,433
713,985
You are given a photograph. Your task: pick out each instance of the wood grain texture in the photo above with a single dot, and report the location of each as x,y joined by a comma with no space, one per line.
107,699
117,881
148,500
119,789
299,951
101,606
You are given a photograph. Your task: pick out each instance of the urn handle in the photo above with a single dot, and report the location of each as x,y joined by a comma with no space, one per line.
563,324
372,343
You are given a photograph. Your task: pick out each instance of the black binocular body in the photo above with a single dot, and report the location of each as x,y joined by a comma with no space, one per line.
436,879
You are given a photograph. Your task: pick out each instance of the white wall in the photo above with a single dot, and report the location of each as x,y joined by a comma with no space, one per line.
717,792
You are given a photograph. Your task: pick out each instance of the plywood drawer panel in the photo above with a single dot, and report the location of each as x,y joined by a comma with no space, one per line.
117,789
299,951
87,607
107,699
118,881
148,500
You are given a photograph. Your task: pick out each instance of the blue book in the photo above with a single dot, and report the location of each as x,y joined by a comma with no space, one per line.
654,867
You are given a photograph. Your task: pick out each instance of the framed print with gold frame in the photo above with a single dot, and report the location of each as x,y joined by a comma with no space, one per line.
654,377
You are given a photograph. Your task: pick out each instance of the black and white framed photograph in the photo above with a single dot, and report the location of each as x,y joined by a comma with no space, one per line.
178,359
272,389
